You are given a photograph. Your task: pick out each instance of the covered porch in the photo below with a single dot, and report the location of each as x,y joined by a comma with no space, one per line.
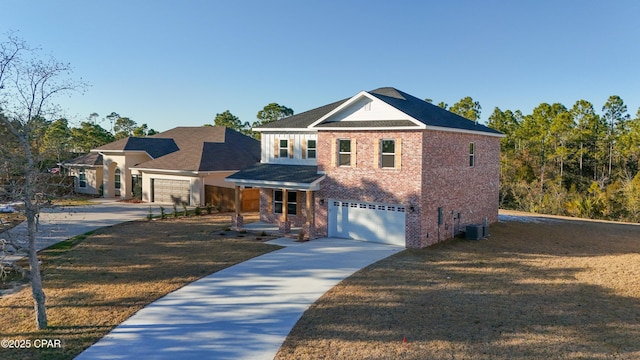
287,197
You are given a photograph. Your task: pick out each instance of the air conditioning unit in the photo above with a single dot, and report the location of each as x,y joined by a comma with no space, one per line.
474,232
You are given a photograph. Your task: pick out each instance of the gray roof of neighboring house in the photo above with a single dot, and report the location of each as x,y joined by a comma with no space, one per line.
89,160
426,113
278,173
154,146
206,148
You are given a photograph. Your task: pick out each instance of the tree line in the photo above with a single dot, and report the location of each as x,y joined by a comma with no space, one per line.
571,161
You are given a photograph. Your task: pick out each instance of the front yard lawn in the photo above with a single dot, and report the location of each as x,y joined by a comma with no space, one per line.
116,271
538,289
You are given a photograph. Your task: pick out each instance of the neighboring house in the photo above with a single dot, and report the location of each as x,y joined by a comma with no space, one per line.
87,169
381,166
170,167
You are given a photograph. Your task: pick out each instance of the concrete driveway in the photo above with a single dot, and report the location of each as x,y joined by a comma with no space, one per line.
242,312
63,222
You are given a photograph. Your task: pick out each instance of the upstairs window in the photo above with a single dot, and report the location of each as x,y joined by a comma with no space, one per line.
344,152
283,148
278,203
388,153
311,149
472,159
117,179
82,178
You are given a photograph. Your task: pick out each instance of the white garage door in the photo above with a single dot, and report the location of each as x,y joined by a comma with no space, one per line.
170,191
383,223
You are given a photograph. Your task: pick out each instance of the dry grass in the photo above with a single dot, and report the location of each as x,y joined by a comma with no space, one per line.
553,289
115,272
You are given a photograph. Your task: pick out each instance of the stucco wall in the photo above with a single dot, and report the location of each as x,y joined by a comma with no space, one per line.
94,180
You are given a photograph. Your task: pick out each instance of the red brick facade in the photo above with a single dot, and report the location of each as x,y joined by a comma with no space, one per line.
434,172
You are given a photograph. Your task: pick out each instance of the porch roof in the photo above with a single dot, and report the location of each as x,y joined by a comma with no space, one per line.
294,177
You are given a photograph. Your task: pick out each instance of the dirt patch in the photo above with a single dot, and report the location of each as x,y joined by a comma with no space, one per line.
536,289
10,220
116,271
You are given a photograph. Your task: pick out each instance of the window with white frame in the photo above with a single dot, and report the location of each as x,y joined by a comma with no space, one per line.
278,202
116,179
311,149
472,159
387,153
344,152
283,148
82,178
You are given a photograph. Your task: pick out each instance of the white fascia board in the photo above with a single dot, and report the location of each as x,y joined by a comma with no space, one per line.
183,172
121,152
296,130
345,104
163,171
359,96
66,165
387,128
464,131
278,184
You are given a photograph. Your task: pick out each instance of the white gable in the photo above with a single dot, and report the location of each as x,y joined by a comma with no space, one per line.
364,107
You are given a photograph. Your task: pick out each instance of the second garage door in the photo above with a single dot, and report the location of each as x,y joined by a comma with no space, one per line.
383,223
171,191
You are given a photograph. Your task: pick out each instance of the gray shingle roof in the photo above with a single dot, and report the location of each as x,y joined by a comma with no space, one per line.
304,119
427,113
424,112
278,173
155,147
91,159
206,148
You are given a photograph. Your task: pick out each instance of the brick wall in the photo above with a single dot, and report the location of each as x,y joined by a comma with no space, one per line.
434,173
266,210
366,181
449,182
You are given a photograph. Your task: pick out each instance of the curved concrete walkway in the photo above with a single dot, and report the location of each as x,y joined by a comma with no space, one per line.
242,312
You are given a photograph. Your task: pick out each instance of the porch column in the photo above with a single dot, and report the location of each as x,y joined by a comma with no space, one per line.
238,200
310,214
285,205
237,220
285,227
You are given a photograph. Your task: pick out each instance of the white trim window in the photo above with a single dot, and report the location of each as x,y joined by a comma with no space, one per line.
311,149
82,178
472,155
283,148
117,179
388,153
344,152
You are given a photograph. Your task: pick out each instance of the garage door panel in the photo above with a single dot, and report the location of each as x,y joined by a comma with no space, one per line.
171,191
367,221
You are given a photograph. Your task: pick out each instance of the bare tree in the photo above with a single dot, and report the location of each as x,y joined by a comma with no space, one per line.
29,82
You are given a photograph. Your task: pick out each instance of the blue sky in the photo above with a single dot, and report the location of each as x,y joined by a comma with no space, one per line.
168,63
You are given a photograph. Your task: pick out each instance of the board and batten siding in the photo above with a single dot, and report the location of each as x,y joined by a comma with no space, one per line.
297,142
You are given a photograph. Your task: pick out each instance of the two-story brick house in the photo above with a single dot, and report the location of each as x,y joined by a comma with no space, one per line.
380,166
